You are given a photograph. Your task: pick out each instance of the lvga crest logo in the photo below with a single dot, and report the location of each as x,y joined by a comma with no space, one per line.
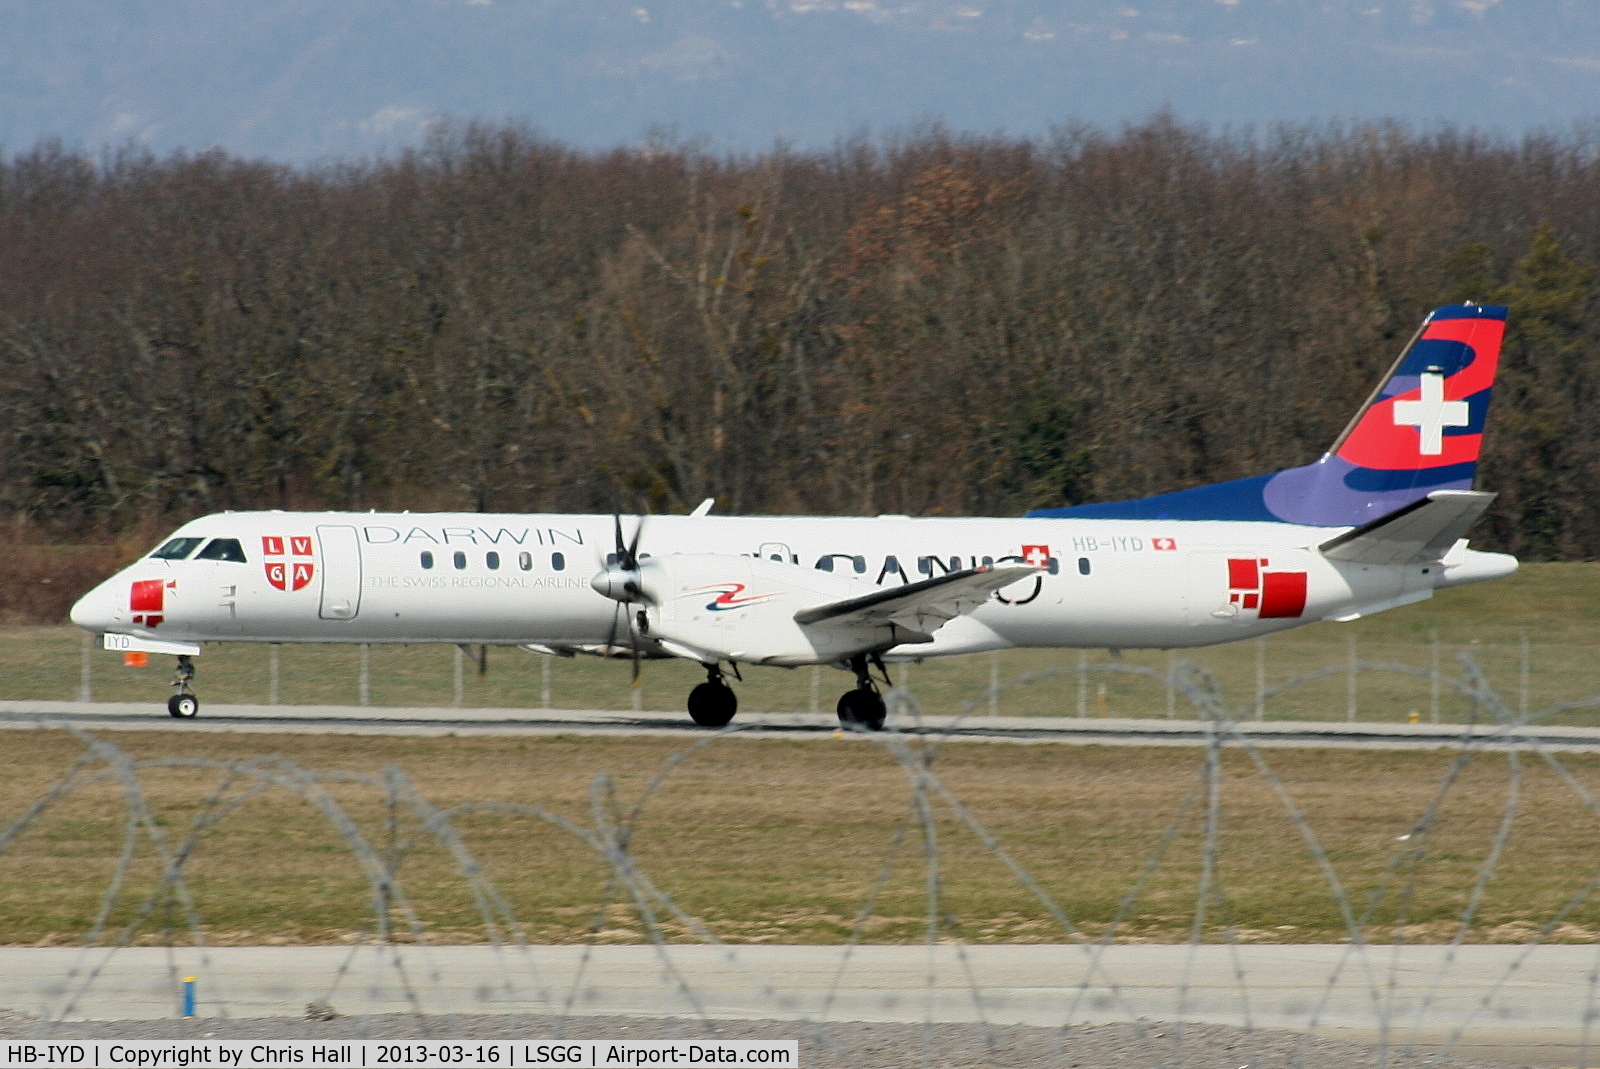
290,561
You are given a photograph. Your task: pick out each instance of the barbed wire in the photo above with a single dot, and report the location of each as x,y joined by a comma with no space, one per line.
170,914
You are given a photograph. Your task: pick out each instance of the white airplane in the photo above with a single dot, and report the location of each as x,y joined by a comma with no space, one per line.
1376,523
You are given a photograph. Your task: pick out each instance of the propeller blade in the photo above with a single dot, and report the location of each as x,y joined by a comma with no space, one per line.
624,588
633,546
624,558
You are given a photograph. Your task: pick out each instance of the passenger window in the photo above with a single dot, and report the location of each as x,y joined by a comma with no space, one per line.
525,561
825,564
492,560
227,549
427,559
558,561
177,549
461,560
1083,565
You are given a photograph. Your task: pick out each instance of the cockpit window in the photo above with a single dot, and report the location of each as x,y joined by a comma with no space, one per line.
223,549
177,549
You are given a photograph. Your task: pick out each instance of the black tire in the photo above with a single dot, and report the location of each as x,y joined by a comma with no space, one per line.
183,706
863,709
712,705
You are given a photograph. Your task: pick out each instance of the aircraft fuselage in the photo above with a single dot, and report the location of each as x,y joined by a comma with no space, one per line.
505,579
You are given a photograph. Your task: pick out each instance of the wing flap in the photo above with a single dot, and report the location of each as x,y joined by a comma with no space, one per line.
1418,533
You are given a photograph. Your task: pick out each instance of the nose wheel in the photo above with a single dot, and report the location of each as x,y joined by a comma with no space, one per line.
184,705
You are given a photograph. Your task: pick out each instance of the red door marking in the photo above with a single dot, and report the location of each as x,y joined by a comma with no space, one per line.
1283,595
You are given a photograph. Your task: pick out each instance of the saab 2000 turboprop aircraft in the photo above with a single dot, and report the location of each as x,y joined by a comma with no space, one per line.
1376,523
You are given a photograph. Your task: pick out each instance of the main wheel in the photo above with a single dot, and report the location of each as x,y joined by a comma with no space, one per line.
183,706
861,708
712,705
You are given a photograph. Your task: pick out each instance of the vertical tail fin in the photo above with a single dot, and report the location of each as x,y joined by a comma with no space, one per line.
1420,431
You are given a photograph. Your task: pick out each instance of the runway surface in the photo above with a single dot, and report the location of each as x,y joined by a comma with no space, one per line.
357,720
1528,1004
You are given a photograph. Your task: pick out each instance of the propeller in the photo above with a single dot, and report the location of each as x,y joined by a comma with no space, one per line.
620,581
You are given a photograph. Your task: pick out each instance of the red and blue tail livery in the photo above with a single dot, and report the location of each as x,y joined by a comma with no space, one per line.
1422,431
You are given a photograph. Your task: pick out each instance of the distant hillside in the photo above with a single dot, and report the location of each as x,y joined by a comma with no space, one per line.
318,79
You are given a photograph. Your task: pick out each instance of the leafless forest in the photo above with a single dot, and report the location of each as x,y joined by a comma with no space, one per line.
927,324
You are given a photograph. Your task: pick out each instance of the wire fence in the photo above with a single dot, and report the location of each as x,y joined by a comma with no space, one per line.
1286,678
1496,815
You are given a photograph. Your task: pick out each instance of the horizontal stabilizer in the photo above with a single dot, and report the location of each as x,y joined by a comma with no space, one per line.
1417,533
919,607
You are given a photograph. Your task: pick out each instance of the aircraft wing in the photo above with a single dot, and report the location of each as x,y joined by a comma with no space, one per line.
1420,532
920,608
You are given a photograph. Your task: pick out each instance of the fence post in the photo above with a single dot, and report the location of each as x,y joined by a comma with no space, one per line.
1350,685
366,673
272,673
459,680
1261,678
85,670
1433,676
1522,682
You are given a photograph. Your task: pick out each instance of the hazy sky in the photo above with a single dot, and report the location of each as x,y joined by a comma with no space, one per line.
305,80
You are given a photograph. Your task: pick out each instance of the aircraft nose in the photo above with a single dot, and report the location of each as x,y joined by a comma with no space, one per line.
97,610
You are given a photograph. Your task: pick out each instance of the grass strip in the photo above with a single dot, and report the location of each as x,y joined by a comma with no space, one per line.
813,841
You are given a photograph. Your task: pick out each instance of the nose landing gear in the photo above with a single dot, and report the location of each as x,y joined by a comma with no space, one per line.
184,704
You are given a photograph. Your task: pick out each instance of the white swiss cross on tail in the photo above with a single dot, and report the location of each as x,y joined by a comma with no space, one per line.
289,561
1432,414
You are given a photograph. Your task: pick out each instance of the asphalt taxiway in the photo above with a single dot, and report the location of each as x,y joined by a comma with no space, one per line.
1529,1004
434,721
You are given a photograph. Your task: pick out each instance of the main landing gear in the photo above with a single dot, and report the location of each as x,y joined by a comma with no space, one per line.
863,708
183,704
713,703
